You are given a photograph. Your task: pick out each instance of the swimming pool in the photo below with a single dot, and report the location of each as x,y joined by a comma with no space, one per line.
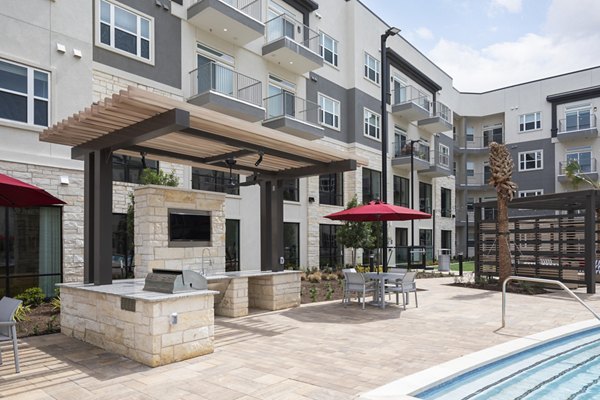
562,363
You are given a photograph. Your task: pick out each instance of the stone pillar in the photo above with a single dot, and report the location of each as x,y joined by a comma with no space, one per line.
274,292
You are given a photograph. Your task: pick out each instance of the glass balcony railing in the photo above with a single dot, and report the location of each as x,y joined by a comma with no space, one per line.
221,79
479,179
577,122
403,149
410,94
443,111
252,8
285,26
482,142
586,165
288,105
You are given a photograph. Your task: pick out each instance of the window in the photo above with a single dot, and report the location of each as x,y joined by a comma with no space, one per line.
401,247
122,245
232,245
530,122
290,190
426,240
446,200
578,117
399,142
371,185
24,94
330,251
329,49
281,100
291,245
531,193
470,168
30,249
372,128
470,133
530,160
492,133
583,159
444,156
331,189
401,191
125,31
329,112
371,68
425,197
446,239
215,181
129,169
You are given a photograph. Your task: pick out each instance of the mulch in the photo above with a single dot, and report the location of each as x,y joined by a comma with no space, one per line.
42,320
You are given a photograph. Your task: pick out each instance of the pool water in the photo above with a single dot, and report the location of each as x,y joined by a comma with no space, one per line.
565,368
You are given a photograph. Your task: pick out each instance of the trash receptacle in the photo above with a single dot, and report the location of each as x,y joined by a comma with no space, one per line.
444,260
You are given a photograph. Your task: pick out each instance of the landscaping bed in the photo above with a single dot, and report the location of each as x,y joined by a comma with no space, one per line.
42,320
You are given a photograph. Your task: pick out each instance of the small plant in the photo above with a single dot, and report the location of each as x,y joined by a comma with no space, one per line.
315,277
329,293
32,297
303,276
36,330
55,302
150,176
313,293
22,313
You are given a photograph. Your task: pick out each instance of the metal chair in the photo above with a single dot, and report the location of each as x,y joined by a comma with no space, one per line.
355,282
8,326
404,287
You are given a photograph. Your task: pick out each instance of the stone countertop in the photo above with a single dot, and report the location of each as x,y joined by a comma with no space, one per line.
133,289
247,274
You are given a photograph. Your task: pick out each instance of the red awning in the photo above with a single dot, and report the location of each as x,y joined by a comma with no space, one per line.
378,211
15,193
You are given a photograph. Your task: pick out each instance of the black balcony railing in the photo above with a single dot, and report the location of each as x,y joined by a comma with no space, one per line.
221,79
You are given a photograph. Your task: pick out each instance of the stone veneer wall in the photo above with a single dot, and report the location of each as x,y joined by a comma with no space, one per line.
151,230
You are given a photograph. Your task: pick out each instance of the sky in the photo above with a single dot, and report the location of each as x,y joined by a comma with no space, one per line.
489,44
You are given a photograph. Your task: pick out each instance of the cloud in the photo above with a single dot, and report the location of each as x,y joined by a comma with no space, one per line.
512,6
424,33
567,43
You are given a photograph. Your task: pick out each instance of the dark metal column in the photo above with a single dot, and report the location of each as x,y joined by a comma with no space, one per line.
590,242
88,219
477,238
271,225
101,194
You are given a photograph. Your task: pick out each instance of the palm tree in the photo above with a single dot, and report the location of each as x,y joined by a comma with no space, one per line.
501,165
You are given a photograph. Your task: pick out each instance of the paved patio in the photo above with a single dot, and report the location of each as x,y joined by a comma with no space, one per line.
320,351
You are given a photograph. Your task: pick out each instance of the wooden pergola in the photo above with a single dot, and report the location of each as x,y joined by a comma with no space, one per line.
136,122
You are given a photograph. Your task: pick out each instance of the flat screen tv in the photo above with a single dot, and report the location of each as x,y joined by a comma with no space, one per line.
189,228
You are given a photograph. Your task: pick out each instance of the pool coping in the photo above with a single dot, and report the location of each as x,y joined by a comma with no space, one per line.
405,388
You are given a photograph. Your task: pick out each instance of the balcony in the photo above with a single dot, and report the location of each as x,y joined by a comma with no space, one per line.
588,170
478,144
292,45
479,181
410,103
293,115
222,89
440,165
582,126
402,156
237,21
440,120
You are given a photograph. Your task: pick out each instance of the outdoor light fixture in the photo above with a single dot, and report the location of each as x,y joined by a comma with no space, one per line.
230,163
385,82
260,158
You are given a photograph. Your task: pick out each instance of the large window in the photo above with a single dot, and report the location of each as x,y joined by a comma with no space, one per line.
583,159
372,127
24,94
232,245
330,251
291,190
578,117
426,240
446,200
372,68
446,239
425,197
129,169
399,142
331,189
531,160
530,122
531,193
329,49
291,245
215,181
444,156
329,112
401,191
122,246
125,31
493,133
470,168
371,185
30,249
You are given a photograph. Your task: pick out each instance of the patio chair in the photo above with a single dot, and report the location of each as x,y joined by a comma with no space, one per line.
404,287
393,282
355,282
8,326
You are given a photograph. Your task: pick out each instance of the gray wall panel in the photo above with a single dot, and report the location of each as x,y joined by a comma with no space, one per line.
167,47
539,179
317,84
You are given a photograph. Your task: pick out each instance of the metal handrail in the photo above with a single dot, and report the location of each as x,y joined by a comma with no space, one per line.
541,280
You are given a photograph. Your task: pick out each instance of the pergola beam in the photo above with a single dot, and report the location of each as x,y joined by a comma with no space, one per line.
223,157
318,169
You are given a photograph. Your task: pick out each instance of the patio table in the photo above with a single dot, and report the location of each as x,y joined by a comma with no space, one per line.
381,278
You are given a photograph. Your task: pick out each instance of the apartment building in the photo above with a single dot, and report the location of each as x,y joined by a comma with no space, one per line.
309,69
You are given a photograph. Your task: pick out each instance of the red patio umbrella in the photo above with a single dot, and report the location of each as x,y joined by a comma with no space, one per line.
15,193
378,211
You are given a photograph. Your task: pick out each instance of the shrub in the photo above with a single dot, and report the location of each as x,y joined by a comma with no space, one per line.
152,177
315,277
22,312
313,294
32,297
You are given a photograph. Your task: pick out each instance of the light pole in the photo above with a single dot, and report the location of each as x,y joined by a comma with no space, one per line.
384,127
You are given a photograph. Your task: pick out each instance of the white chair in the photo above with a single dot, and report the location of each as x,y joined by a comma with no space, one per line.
355,282
404,287
8,326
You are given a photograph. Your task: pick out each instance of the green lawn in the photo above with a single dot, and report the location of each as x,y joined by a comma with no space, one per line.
468,266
